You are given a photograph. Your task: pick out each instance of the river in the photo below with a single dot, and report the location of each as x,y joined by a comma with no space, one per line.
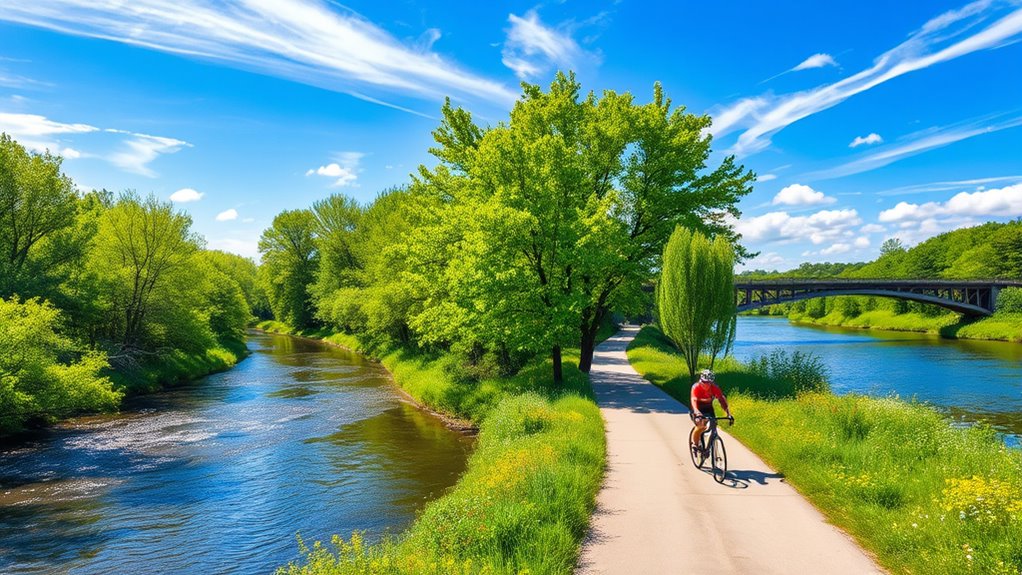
967,379
218,476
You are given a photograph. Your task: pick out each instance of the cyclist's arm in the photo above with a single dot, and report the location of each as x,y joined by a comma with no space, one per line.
722,400
694,402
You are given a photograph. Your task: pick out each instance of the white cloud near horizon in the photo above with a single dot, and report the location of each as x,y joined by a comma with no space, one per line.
309,41
946,186
999,202
532,48
801,195
185,195
945,37
227,215
872,138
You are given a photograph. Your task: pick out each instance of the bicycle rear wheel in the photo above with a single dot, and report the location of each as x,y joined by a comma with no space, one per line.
718,459
700,457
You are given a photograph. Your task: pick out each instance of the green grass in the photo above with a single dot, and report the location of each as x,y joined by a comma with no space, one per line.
177,367
523,504
1003,327
922,495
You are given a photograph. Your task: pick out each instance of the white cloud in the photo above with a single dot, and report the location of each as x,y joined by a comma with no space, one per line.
308,41
816,61
227,215
838,248
820,227
861,242
872,138
917,144
766,177
532,48
947,185
40,133
872,229
344,171
945,37
186,195
801,195
242,247
999,202
140,149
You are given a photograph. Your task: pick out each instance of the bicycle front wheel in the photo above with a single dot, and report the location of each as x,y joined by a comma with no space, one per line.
718,459
698,454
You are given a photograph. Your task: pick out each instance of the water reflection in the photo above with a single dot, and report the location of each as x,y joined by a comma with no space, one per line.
217,477
971,380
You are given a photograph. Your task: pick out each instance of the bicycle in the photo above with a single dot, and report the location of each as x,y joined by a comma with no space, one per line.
712,447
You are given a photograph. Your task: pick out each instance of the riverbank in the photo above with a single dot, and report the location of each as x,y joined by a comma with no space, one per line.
523,505
922,495
999,327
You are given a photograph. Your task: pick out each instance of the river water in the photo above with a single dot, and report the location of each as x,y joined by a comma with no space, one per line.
969,380
217,477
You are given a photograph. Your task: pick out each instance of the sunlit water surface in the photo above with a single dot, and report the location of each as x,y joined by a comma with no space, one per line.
218,476
969,380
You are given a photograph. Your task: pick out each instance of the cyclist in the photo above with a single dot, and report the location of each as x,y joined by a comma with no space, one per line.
703,393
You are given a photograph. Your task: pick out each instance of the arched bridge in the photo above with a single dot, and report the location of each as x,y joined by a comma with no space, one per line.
969,297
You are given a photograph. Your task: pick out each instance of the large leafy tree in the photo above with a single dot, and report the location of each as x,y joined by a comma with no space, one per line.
144,258
290,259
696,297
548,221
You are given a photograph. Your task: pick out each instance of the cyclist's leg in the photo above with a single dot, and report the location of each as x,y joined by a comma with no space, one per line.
697,432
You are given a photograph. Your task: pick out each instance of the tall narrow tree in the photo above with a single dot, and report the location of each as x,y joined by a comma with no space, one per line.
695,295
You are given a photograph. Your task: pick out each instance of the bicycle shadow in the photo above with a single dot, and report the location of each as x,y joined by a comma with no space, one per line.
743,478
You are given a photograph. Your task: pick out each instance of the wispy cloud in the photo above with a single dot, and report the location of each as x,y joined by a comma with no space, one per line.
946,186
945,37
872,138
533,48
815,61
308,41
136,151
915,144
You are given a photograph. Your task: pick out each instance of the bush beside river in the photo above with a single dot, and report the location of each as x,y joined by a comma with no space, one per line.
524,503
921,494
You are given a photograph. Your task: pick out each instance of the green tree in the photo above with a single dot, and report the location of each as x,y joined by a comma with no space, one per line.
290,260
337,243
246,274
37,203
144,255
695,295
546,223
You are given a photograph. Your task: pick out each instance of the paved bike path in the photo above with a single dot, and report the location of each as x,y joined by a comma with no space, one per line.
656,513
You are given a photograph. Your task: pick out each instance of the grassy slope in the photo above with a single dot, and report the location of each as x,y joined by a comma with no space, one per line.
524,503
178,367
924,496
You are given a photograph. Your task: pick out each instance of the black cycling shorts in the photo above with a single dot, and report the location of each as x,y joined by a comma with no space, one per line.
705,409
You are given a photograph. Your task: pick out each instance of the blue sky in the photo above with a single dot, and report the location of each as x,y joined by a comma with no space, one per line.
864,120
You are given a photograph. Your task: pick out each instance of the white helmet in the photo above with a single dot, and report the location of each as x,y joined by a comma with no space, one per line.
706,375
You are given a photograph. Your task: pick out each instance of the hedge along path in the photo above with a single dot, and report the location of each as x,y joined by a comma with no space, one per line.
656,513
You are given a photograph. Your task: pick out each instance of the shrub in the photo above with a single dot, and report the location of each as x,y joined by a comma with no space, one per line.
805,371
1009,300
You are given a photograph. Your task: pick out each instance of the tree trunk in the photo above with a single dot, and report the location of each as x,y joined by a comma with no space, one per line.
558,370
585,360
